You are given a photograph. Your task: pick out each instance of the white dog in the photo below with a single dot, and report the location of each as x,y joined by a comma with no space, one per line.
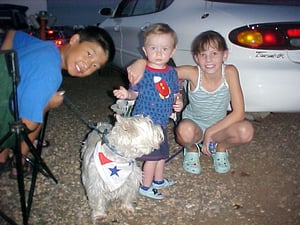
109,170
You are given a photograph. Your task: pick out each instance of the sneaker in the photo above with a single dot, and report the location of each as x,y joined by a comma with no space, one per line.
5,166
151,193
165,183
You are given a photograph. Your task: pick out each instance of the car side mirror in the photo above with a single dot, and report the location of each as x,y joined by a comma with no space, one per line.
106,12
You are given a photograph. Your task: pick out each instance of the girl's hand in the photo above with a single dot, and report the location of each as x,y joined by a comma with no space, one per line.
207,138
178,103
121,93
205,149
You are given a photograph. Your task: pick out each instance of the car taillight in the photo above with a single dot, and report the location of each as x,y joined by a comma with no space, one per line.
58,42
267,36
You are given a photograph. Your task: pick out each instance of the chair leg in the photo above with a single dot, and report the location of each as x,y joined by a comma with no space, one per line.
38,164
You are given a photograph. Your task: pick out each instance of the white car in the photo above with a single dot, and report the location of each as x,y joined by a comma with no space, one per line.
263,40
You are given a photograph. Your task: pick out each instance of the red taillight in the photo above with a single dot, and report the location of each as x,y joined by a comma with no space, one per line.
50,31
267,36
293,32
58,42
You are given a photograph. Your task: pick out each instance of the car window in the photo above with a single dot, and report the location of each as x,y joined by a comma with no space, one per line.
145,7
268,2
140,7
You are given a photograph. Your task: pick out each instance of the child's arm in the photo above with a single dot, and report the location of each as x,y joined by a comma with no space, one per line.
189,73
137,68
136,71
7,43
123,93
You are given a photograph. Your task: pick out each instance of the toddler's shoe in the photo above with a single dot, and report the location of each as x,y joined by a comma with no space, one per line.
221,162
151,193
162,184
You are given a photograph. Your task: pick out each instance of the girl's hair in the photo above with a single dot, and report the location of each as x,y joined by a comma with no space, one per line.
99,36
160,28
208,38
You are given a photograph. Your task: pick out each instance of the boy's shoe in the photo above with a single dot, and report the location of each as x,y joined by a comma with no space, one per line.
27,170
221,162
165,183
5,166
45,143
151,193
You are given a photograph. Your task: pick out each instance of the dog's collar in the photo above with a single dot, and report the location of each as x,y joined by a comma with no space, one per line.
111,148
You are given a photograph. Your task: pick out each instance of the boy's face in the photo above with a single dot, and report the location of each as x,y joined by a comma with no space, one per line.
82,59
159,48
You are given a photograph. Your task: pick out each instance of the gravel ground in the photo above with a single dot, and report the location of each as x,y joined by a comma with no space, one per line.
261,189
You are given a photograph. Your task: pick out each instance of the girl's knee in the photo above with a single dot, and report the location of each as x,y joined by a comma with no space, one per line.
187,132
246,132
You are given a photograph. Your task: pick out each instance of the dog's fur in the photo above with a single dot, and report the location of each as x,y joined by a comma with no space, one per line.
131,137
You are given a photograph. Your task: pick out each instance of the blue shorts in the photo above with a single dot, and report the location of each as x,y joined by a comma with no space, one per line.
158,154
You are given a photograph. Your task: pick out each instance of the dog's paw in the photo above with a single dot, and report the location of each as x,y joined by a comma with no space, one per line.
127,209
99,217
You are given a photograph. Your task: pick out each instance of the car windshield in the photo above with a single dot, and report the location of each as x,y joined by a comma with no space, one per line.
268,2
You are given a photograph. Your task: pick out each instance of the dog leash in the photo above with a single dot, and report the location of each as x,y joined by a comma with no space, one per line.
81,115
93,126
90,124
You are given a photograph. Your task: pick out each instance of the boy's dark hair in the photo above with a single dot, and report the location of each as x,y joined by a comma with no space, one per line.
208,38
100,36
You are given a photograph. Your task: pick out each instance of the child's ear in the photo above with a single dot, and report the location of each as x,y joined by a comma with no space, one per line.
74,39
225,56
195,56
144,50
173,52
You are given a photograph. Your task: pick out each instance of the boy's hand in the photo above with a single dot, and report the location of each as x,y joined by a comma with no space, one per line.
55,101
178,103
121,93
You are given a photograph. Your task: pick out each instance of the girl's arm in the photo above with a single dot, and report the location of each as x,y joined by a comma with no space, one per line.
188,73
137,68
136,71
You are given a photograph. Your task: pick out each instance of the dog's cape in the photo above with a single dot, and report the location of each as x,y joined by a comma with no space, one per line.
114,174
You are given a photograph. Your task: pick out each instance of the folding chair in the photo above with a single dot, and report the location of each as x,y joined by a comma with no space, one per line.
13,132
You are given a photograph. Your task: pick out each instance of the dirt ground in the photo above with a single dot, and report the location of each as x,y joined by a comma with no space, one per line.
261,189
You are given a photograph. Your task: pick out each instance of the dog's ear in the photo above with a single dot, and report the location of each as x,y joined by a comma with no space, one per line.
123,122
117,117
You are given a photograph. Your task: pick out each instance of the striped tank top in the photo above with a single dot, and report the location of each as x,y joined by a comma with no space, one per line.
207,108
